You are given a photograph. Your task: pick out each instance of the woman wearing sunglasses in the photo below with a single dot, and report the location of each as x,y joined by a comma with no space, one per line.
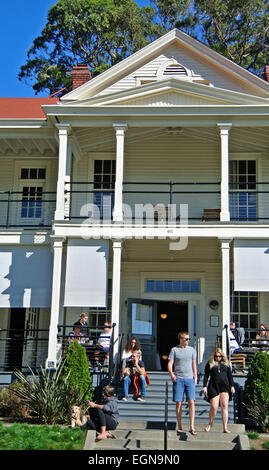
220,388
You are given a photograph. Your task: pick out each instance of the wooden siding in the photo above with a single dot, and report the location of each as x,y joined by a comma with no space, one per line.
200,68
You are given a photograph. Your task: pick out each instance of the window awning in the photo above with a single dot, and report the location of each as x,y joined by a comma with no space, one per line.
25,276
251,265
86,273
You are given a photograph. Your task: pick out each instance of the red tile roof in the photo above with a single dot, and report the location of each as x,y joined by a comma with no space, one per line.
24,108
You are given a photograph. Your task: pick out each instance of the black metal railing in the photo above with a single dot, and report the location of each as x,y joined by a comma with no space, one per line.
95,200
24,348
98,360
32,210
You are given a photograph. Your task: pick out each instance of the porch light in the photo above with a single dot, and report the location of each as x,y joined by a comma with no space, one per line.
163,316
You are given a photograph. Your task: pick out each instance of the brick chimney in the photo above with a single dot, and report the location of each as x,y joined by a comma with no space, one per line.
80,74
266,73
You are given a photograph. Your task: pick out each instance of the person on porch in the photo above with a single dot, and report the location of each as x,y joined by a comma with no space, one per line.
182,359
135,373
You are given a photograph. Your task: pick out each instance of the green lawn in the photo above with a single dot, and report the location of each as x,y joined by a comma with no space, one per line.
21,436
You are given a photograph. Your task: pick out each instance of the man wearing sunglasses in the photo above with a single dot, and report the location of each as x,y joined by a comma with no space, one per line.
183,371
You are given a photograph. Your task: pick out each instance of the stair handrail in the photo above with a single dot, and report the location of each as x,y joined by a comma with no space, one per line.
166,416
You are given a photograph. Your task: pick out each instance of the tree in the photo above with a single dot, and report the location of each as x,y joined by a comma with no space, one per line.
98,33
238,29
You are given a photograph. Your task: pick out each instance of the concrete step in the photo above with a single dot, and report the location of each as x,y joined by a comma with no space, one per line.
148,425
146,444
145,435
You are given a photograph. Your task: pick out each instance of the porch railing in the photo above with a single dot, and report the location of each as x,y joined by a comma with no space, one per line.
96,200
24,348
34,209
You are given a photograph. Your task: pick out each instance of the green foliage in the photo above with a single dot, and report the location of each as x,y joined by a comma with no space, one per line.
237,29
257,383
76,371
256,395
266,445
28,437
98,33
47,396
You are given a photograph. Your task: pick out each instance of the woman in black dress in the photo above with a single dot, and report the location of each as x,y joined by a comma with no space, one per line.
220,388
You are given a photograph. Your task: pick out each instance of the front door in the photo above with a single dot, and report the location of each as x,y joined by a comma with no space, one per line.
142,316
172,318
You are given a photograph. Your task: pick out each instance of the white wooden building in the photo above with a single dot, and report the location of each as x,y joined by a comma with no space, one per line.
159,139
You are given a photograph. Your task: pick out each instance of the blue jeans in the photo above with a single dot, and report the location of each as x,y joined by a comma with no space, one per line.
127,382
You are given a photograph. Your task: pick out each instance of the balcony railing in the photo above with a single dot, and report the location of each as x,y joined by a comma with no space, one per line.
142,201
32,210
162,201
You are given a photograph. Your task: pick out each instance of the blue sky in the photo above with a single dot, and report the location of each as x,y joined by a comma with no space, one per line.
21,22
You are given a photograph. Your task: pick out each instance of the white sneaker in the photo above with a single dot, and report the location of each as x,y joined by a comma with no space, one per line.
141,399
124,399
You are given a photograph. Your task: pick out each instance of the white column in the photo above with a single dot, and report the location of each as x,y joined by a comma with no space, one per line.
120,135
67,196
225,257
116,283
64,129
224,135
55,302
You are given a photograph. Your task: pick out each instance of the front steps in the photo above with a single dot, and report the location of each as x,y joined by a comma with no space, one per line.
153,410
141,435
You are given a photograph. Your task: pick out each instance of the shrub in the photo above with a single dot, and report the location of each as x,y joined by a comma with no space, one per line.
256,395
48,396
10,404
76,368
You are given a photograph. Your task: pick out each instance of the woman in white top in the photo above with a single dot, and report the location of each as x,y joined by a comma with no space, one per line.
131,346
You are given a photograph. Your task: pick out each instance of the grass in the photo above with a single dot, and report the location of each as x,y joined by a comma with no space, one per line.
256,441
22,436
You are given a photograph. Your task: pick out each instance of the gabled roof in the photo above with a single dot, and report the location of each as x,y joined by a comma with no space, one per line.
136,60
24,108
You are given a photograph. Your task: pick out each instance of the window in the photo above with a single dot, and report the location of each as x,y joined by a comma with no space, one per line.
31,202
104,180
33,173
245,309
243,199
99,315
32,189
192,286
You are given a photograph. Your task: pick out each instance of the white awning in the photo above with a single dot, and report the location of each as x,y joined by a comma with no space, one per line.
25,276
251,265
86,273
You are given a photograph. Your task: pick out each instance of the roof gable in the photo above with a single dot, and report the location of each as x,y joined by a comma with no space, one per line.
201,63
171,92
